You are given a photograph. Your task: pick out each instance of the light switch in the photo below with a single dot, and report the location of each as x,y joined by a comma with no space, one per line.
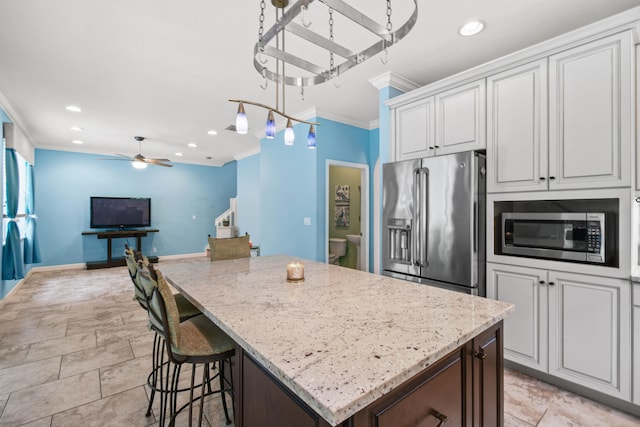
307,221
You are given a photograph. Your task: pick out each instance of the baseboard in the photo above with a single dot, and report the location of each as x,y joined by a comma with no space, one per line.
179,256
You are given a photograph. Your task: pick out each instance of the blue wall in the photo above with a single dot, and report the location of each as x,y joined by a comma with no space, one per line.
65,181
288,184
282,185
249,198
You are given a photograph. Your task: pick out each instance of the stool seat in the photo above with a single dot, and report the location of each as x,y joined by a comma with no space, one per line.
200,337
185,308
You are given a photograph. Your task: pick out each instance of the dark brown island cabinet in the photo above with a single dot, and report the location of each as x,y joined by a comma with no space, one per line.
464,388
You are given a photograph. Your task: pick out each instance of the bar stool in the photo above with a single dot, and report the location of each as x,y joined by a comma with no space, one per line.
135,261
196,341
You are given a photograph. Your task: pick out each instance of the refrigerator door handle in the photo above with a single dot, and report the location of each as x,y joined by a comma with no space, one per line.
424,217
415,230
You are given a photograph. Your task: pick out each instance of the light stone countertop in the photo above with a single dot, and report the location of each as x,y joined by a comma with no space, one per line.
341,339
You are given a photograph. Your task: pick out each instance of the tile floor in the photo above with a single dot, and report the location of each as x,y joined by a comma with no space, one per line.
75,351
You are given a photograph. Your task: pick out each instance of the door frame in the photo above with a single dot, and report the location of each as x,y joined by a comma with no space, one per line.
365,230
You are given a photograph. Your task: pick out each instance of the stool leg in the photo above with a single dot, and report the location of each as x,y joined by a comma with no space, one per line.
222,391
154,375
205,378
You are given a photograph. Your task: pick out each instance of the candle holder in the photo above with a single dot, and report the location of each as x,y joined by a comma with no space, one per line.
295,272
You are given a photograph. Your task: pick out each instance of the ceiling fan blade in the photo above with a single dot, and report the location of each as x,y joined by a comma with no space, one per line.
122,155
158,163
160,160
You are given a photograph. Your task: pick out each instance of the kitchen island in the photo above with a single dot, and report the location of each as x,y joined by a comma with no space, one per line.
346,347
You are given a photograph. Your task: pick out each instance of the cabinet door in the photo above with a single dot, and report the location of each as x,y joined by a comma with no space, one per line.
414,130
589,332
590,114
488,380
517,129
525,331
460,119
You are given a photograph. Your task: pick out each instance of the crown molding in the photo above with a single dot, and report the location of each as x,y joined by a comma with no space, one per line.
389,79
247,153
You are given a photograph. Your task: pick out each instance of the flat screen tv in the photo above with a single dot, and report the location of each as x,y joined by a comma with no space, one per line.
120,212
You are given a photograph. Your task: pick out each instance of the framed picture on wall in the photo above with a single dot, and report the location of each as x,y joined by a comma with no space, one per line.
342,195
342,216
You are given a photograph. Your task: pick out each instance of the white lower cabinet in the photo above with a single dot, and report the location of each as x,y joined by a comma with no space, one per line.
572,326
636,343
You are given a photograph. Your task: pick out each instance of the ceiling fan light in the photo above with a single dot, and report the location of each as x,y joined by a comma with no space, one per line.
289,136
139,164
242,124
270,128
311,138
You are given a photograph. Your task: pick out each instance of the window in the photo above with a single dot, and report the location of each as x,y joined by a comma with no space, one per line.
22,197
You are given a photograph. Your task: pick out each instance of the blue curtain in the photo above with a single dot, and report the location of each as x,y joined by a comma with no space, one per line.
31,246
12,263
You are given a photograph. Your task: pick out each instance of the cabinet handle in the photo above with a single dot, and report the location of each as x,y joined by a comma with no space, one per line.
437,146
638,199
431,148
542,178
551,283
541,282
442,417
480,354
552,177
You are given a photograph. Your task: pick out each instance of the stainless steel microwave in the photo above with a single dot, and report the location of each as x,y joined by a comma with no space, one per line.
571,236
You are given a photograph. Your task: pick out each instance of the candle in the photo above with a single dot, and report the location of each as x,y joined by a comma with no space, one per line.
295,272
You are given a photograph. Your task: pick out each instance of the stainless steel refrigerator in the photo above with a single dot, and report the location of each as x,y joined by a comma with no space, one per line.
434,221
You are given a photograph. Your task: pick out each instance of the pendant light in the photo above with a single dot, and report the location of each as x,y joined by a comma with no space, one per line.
289,136
270,128
242,124
311,138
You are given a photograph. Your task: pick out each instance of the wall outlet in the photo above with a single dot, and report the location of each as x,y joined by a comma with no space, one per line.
307,221
154,249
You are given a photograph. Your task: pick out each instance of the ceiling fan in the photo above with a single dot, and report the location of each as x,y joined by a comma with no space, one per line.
139,161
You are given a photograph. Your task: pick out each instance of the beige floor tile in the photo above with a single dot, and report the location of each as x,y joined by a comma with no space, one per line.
60,346
121,332
92,324
7,314
19,325
511,421
123,409
31,335
13,355
525,397
568,409
134,316
95,358
28,374
43,400
143,345
42,422
124,376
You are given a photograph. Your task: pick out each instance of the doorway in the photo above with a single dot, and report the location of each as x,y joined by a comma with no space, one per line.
347,211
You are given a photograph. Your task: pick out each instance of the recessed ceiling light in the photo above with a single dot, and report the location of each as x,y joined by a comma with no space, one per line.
73,108
471,28
179,154
192,145
76,128
77,142
213,132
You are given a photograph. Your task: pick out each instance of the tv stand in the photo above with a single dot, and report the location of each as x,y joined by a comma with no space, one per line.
118,234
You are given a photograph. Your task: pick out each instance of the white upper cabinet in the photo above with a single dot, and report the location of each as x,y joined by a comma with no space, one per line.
517,129
460,118
414,130
590,114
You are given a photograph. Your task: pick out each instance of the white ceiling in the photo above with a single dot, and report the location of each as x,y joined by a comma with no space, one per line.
164,69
